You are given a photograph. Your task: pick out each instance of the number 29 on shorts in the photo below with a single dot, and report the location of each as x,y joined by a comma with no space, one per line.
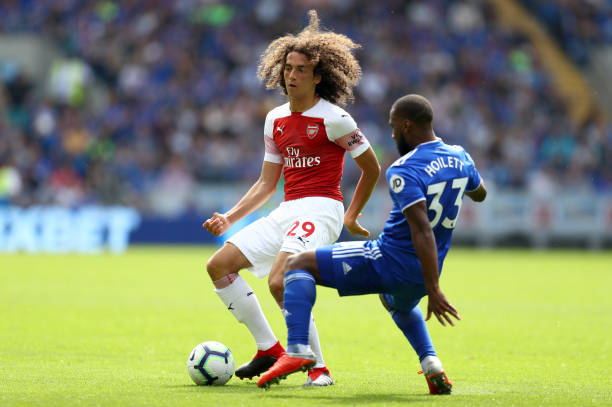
307,227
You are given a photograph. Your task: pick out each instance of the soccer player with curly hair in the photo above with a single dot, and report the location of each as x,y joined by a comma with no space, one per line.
305,140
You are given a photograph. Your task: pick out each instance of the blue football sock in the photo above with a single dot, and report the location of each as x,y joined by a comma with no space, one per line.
299,298
412,324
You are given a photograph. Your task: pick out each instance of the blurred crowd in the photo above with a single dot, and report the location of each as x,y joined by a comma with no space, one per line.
577,25
155,99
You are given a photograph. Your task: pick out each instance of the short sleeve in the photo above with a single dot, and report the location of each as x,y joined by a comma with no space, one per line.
340,124
404,187
269,125
343,131
272,153
355,143
474,178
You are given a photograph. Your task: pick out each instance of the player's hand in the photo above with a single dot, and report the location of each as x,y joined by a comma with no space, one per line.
217,224
353,226
439,306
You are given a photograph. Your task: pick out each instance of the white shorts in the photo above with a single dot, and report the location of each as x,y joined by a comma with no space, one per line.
293,227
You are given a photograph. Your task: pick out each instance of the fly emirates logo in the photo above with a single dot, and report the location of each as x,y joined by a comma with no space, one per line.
293,159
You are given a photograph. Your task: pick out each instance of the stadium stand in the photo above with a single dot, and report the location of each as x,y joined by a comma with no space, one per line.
145,102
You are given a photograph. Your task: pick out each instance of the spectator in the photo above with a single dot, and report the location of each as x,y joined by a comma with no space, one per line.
180,104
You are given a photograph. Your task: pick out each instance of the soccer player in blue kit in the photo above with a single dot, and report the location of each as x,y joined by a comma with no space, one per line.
427,184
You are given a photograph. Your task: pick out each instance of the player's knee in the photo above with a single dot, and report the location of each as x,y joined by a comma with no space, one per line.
218,268
212,267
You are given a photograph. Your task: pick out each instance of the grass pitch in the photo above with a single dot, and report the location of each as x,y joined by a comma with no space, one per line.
117,330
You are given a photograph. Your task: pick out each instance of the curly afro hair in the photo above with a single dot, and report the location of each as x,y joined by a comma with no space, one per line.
330,54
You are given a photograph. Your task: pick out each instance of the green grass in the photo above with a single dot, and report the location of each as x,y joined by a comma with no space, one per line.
117,330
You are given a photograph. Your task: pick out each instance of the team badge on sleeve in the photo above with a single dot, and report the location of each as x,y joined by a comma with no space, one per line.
397,183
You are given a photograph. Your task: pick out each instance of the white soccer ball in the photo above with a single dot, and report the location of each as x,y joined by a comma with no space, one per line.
211,364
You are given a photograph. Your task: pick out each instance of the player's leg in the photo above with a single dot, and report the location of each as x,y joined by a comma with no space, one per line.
409,319
349,267
319,374
304,271
237,295
315,222
275,278
254,247
298,300
242,302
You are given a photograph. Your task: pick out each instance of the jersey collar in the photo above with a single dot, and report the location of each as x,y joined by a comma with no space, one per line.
436,141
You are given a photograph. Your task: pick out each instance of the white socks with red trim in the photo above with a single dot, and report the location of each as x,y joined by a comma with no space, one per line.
242,302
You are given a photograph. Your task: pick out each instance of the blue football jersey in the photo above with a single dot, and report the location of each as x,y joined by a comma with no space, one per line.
438,174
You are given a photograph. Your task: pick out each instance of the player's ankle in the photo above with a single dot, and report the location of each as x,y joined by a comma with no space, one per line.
299,350
431,364
319,369
276,350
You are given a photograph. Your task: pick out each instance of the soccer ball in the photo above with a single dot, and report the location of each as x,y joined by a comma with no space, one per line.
210,364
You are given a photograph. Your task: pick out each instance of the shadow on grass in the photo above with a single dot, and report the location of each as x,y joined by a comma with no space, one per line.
299,393
355,399
227,389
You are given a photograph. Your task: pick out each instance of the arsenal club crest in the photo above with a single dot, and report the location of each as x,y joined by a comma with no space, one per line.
312,130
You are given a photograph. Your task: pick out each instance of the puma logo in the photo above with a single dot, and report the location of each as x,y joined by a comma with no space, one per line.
280,129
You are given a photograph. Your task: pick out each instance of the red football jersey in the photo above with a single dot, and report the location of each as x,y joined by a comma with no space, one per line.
311,147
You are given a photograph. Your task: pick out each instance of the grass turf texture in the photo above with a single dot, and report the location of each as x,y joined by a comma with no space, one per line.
117,330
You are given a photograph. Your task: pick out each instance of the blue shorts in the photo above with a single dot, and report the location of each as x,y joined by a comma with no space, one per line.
358,268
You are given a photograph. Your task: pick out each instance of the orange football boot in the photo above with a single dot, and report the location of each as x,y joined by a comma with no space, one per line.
283,367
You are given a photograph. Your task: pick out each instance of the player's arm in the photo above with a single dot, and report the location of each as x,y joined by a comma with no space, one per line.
479,194
370,171
424,243
255,197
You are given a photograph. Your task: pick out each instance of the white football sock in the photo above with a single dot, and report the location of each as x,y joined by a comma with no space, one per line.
313,341
300,351
431,365
240,299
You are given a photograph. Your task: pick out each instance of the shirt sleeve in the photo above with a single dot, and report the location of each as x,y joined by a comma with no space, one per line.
404,187
474,178
272,152
343,131
355,143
